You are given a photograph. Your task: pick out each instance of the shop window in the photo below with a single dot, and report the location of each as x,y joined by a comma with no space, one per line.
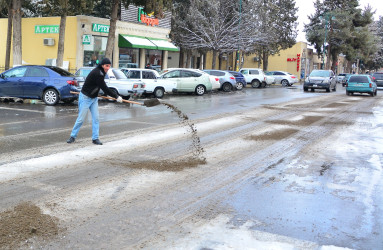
128,58
154,59
95,51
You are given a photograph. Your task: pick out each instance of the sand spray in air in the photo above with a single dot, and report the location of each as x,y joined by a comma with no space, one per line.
197,150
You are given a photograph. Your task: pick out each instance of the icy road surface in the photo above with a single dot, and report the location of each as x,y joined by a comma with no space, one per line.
294,174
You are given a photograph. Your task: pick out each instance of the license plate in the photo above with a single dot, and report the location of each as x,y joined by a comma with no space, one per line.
315,85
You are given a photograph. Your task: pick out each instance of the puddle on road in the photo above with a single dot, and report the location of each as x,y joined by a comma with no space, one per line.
24,222
335,105
273,135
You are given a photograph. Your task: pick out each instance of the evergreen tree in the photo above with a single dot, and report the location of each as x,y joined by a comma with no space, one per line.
336,27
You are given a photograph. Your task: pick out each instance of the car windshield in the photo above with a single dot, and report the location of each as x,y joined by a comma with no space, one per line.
378,76
358,79
119,74
61,71
320,73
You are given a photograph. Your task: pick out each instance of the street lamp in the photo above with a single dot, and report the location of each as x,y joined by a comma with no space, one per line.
326,17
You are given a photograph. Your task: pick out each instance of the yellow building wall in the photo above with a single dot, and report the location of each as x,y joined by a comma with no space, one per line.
3,41
33,49
280,61
276,62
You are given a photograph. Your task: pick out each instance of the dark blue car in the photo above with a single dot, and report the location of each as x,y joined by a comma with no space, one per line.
241,82
48,83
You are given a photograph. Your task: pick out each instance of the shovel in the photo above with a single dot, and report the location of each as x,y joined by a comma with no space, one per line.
147,103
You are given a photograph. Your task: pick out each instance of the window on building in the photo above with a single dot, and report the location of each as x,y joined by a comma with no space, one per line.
154,58
129,58
95,51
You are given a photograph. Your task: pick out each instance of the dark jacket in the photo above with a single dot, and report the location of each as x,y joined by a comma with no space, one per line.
94,82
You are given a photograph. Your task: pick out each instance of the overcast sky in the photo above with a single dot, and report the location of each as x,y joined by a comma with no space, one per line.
306,7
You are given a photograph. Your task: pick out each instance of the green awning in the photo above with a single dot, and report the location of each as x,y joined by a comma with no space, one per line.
164,44
126,41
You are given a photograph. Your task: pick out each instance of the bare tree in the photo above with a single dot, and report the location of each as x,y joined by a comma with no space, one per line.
215,25
16,20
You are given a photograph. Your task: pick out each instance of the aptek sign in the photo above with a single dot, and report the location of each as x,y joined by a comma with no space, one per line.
47,29
100,28
145,18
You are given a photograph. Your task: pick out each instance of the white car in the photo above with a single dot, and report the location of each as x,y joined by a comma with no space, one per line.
256,77
116,81
153,83
283,78
188,80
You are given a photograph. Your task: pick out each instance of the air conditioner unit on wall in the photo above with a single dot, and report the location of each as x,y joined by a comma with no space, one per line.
49,41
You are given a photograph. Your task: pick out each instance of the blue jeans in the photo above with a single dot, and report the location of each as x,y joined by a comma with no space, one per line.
85,103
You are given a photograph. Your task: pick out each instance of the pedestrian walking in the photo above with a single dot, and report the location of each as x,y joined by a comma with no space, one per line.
88,100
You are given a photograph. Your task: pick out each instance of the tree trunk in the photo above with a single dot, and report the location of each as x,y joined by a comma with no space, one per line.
112,29
181,60
214,59
220,59
265,55
60,49
17,42
188,59
9,36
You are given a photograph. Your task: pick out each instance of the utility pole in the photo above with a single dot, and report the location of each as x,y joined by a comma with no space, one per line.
239,34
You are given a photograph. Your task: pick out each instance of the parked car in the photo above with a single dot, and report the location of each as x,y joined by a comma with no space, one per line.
378,79
188,80
48,83
227,81
361,84
340,77
320,79
241,82
345,78
283,78
116,81
256,77
153,84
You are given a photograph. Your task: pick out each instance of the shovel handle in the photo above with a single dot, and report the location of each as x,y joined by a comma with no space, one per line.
112,98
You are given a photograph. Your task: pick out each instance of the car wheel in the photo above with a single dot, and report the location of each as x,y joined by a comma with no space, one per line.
255,84
312,90
263,85
284,83
159,92
328,89
348,93
305,89
51,97
200,90
239,86
372,94
226,87
376,92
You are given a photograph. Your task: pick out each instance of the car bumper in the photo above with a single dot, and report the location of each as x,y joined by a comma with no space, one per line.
360,89
316,85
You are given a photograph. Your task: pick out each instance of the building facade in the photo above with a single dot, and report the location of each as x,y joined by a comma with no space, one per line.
136,44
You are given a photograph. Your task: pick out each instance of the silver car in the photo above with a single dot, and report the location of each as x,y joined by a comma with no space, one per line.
116,81
226,80
283,78
320,79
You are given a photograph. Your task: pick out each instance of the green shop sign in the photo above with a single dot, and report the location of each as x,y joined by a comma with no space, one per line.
47,29
100,28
